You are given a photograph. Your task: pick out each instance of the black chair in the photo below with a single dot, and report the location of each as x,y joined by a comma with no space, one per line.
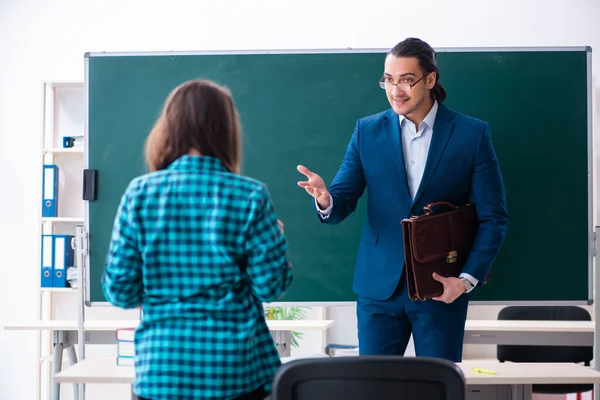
368,378
541,354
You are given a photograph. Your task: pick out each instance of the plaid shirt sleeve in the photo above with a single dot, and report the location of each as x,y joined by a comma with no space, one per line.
122,279
268,269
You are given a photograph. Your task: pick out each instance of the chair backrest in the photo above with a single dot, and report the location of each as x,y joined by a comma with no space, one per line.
513,353
369,377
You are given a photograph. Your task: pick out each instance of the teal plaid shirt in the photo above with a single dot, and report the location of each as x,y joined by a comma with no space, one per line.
200,249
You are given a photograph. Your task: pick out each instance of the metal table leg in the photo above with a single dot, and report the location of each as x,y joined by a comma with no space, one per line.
72,357
56,366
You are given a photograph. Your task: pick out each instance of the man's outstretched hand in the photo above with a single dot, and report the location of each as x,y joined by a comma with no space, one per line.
315,186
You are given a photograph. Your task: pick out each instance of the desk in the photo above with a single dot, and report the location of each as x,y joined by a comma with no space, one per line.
97,370
64,337
575,333
541,333
512,379
103,332
515,380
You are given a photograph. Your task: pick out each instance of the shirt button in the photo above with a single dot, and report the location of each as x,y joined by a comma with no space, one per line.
412,162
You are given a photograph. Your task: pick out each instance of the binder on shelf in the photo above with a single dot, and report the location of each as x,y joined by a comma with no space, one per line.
64,257
50,191
47,261
58,254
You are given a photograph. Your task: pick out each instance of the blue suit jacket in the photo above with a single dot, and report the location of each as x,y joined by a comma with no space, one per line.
461,167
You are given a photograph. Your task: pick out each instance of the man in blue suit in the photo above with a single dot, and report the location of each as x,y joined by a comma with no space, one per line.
415,153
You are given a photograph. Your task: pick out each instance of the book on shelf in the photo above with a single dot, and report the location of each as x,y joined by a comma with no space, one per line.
125,346
127,361
125,334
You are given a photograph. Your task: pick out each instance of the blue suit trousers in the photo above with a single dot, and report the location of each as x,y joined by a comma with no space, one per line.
384,327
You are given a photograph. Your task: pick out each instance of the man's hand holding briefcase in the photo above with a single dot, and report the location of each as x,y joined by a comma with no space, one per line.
436,246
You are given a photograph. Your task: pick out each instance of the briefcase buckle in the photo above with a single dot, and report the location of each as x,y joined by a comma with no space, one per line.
452,257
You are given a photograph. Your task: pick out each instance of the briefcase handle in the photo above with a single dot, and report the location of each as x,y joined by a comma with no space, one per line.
429,206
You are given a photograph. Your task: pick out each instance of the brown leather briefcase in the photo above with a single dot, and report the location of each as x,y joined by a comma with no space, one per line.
437,242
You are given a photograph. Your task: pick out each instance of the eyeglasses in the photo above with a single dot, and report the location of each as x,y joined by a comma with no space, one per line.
386,83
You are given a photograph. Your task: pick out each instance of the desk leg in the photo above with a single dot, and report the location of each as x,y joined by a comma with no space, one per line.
56,366
72,356
283,341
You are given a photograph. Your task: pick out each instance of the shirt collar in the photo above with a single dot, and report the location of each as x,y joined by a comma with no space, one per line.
197,163
429,118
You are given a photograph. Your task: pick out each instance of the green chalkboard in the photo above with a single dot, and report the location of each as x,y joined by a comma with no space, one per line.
301,108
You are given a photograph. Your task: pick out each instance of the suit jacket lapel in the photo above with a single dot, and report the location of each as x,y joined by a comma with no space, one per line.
442,130
392,130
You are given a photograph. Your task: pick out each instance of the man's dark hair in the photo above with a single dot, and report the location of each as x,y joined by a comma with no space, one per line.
413,47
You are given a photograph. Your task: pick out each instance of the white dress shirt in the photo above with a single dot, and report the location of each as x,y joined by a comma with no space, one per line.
415,147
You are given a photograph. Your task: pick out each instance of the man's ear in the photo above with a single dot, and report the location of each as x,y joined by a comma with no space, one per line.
431,80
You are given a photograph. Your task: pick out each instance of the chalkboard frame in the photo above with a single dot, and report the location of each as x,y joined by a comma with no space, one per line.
590,211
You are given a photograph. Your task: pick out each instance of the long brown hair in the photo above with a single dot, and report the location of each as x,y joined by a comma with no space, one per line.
198,115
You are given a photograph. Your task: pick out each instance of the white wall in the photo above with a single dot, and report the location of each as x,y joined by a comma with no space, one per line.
46,40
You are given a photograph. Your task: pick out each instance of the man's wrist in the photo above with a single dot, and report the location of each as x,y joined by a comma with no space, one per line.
468,285
471,279
323,206
327,210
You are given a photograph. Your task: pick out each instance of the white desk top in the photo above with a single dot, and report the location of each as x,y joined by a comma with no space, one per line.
471,325
105,370
528,373
96,370
529,326
71,325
